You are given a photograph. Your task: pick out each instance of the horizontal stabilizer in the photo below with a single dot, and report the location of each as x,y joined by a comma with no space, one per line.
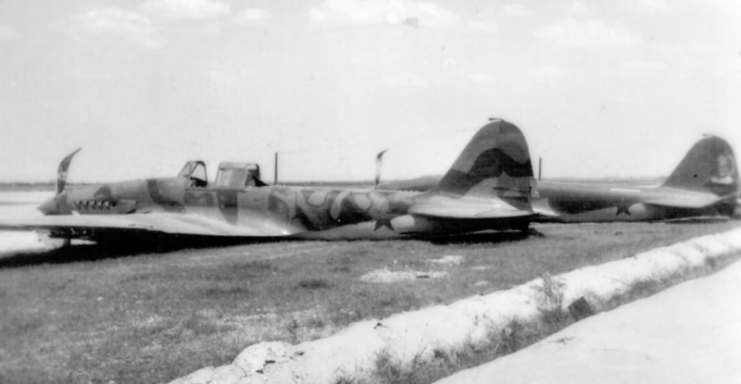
685,199
451,208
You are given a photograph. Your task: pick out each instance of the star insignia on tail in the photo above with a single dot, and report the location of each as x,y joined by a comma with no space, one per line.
383,223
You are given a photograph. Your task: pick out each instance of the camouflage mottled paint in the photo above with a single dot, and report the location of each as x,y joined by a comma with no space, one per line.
494,167
497,152
161,197
319,209
709,165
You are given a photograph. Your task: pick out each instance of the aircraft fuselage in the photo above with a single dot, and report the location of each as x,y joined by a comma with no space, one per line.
488,187
323,213
574,202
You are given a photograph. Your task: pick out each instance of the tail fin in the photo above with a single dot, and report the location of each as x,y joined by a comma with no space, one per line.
710,165
495,163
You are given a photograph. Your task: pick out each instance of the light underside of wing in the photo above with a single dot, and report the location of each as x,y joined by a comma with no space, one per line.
467,209
175,224
661,196
669,197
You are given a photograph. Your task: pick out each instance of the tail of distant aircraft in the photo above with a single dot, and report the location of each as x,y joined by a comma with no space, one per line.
495,163
62,171
710,165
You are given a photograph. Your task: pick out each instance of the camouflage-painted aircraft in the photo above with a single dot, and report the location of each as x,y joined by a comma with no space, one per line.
488,187
705,183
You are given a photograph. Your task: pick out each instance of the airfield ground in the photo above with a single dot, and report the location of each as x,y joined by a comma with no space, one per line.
93,315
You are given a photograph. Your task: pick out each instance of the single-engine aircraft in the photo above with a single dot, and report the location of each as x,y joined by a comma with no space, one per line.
487,188
705,183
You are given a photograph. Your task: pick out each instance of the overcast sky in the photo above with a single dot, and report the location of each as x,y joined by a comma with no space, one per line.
618,88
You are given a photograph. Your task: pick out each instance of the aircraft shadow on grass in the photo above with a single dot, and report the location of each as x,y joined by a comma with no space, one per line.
97,252
699,220
487,237
64,255
151,244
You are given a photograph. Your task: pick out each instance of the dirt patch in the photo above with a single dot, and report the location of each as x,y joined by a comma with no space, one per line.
448,260
387,276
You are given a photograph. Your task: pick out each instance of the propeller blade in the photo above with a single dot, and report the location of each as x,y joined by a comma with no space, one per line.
62,171
379,164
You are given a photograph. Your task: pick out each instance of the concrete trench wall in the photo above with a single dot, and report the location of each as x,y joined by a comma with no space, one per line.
417,334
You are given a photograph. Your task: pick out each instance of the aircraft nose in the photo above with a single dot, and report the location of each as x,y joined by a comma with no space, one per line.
49,207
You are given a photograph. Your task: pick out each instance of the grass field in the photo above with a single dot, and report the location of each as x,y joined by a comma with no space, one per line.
93,315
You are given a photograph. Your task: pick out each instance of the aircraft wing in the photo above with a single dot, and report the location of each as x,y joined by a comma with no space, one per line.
661,196
451,208
680,198
82,226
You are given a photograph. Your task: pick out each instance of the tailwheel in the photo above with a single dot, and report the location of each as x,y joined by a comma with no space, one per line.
521,225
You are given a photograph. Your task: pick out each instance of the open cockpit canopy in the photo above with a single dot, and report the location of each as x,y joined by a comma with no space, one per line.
230,175
195,171
238,175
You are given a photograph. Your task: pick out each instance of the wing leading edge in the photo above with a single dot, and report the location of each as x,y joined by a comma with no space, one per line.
155,222
451,208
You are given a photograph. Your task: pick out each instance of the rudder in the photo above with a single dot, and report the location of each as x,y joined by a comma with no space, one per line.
495,163
710,165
